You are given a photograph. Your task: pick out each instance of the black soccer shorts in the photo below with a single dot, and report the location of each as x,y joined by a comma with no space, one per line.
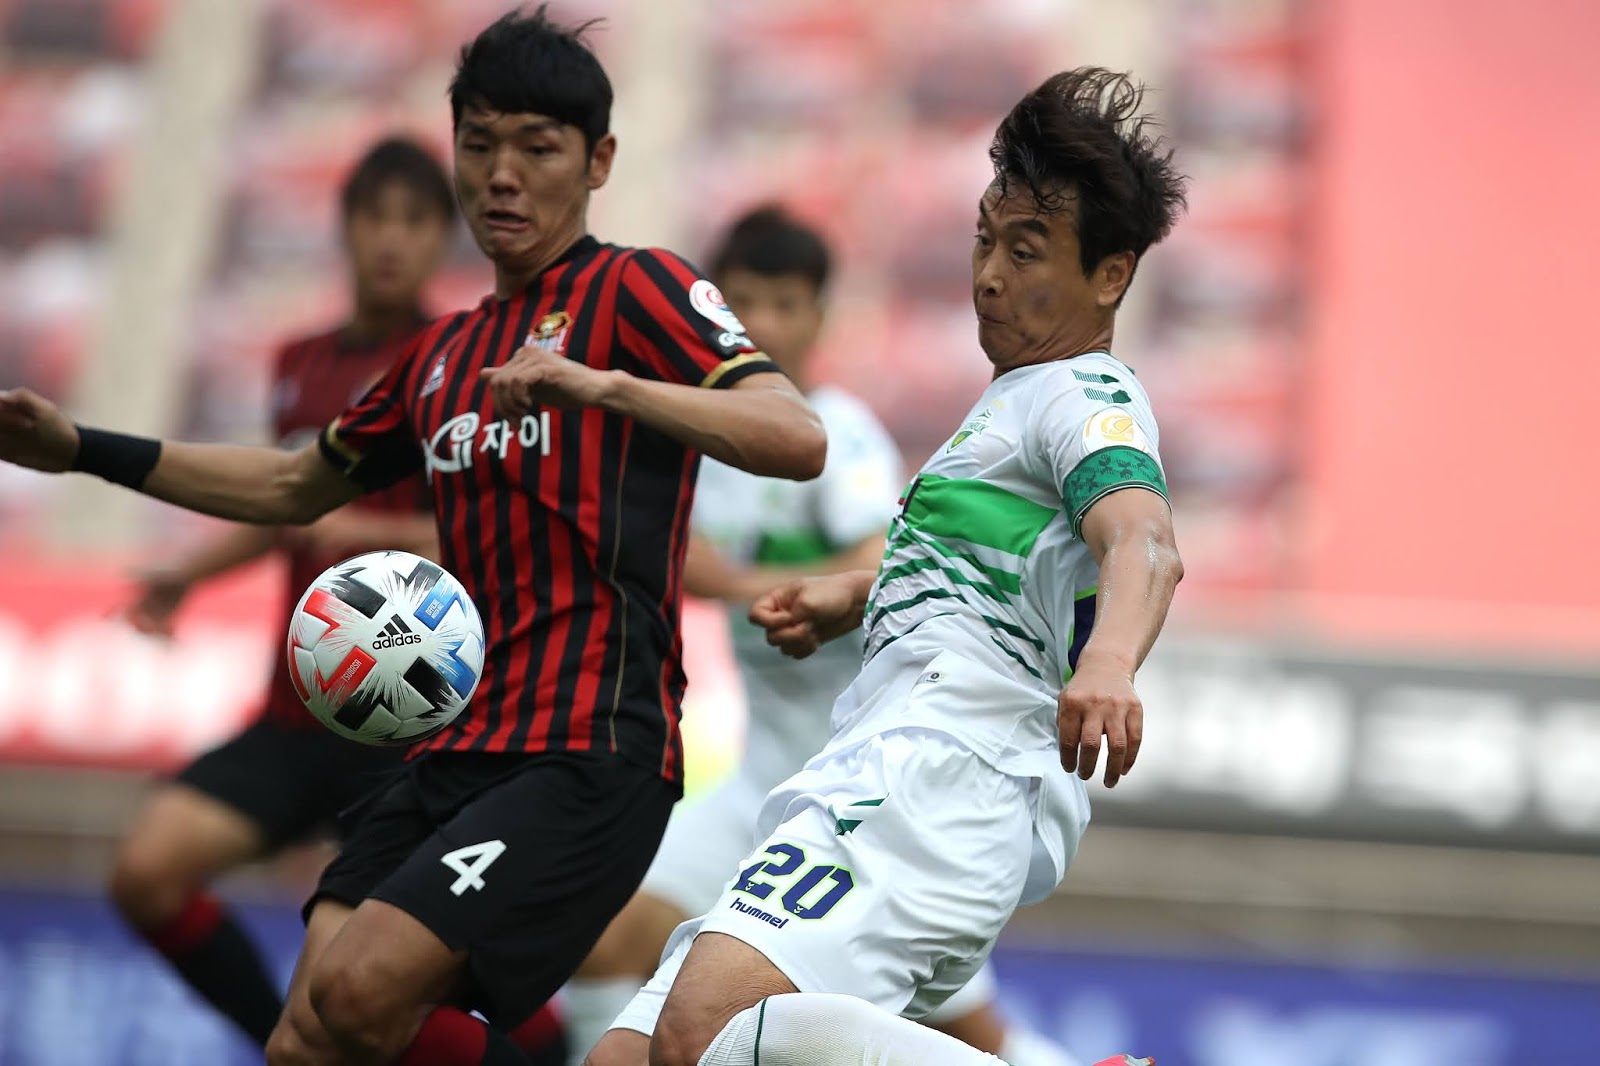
520,860
291,782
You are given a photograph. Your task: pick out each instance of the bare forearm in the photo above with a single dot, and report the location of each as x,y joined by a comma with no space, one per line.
365,530
261,486
863,556
1138,575
771,432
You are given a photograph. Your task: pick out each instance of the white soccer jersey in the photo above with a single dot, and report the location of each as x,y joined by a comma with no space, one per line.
752,519
985,556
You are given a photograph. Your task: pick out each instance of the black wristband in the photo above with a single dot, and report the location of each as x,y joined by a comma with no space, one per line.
119,458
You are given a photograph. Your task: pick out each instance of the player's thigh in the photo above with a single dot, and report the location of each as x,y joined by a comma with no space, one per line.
526,877
719,977
382,969
893,867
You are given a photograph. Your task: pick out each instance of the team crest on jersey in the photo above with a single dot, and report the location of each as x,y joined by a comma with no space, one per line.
435,380
550,333
971,428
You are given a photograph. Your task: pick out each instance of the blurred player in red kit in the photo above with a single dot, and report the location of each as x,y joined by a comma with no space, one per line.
284,776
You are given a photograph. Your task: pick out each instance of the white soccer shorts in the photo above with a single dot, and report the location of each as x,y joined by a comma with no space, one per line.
886,872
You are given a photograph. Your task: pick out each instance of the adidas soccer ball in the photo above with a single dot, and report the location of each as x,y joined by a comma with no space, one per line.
385,648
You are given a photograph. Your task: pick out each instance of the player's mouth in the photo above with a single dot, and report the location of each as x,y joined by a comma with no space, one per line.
502,221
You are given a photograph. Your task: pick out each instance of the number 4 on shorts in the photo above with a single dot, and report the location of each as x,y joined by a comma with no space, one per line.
470,862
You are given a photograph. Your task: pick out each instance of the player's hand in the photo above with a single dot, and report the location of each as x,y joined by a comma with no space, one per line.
34,433
802,615
534,377
1099,701
160,594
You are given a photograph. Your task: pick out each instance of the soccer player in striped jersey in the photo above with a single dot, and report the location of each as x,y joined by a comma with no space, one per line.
1028,573
560,424
749,534
284,777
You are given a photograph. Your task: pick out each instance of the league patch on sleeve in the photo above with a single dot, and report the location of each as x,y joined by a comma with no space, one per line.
1114,427
707,299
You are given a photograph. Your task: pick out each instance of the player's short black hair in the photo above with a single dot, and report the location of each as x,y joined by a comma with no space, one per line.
771,242
529,63
1080,136
402,160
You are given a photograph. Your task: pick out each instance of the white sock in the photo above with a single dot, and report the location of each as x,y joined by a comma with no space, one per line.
825,1029
1024,1047
589,1008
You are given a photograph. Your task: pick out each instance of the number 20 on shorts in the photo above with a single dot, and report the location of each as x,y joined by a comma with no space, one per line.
788,863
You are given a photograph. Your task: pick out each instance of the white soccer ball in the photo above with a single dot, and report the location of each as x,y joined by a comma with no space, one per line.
385,648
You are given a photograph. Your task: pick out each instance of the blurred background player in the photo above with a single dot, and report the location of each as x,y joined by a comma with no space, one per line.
750,534
285,776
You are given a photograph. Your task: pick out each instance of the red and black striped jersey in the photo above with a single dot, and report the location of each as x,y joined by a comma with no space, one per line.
568,527
315,378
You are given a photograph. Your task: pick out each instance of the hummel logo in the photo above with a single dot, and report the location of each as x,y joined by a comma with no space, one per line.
841,826
395,634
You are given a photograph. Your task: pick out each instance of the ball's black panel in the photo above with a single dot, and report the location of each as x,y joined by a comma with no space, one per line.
423,577
430,683
356,710
364,598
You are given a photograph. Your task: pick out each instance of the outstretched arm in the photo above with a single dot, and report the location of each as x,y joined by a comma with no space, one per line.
1130,534
760,423
162,588
264,486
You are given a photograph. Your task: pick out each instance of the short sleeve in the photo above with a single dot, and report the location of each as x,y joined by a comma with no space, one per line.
860,486
678,326
372,443
1097,436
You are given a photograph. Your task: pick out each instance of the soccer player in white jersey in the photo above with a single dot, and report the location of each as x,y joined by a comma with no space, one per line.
750,534
1028,573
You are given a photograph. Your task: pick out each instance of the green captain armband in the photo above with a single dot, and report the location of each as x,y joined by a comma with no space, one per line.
1103,472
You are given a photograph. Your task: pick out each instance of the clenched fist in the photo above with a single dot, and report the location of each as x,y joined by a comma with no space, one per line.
35,434
535,377
802,615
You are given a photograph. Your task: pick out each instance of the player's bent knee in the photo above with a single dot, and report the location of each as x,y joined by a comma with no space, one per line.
297,1041
145,889
348,1007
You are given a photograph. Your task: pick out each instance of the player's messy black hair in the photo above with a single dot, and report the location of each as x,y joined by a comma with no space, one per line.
398,159
1079,138
529,63
771,242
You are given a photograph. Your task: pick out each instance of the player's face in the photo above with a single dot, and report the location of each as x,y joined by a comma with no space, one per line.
1033,302
782,312
394,242
524,181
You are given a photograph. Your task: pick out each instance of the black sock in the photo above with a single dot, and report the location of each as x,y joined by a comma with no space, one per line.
212,953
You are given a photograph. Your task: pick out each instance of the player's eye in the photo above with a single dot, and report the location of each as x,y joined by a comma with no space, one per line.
475,147
540,150
983,239
1022,255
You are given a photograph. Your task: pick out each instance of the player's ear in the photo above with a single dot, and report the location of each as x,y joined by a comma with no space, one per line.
1111,278
605,151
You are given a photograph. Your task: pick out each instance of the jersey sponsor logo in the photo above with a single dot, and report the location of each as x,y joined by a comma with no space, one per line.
733,342
707,299
550,333
1113,427
455,445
